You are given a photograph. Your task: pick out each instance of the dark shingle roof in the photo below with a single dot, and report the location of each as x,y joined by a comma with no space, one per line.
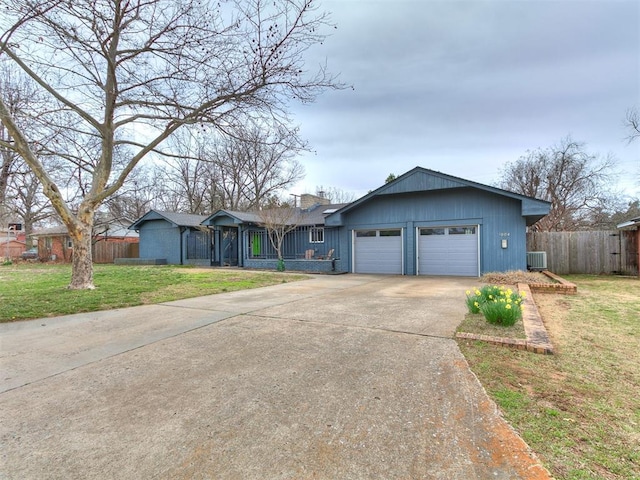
183,219
179,219
316,215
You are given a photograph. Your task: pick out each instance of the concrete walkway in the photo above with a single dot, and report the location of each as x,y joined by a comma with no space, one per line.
334,377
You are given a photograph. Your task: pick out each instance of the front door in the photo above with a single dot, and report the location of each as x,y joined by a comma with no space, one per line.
229,244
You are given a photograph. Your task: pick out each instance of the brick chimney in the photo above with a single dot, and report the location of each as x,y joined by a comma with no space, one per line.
307,201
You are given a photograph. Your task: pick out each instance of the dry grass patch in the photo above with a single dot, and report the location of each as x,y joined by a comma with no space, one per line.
514,277
579,409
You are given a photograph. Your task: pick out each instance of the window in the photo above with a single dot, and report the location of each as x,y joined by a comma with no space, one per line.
432,231
316,235
462,230
390,233
69,242
366,233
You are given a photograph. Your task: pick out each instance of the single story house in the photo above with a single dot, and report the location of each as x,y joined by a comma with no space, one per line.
422,223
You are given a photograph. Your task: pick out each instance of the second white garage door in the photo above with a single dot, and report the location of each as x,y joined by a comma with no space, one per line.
448,251
377,251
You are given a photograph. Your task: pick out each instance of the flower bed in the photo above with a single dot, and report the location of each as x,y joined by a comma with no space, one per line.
499,306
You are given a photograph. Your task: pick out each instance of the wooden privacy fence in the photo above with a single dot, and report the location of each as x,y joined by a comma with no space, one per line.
105,252
592,252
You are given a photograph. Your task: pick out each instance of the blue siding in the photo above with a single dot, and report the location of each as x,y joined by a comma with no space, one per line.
498,216
310,266
420,182
160,239
294,246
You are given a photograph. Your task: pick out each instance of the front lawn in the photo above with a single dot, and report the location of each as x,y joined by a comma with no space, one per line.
39,290
579,409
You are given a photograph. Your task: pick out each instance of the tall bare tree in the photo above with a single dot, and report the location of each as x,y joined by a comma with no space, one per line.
138,195
335,194
255,164
18,93
632,122
26,200
130,73
573,180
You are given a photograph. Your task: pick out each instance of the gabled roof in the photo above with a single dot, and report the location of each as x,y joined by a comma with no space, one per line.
422,179
177,219
237,217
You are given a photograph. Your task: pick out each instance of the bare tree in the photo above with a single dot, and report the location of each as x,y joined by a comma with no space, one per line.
138,195
239,170
632,122
335,195
26,200
279,221
131,73
255,164
574,181
18,93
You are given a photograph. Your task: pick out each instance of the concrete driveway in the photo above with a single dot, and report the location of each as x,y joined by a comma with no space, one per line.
335,377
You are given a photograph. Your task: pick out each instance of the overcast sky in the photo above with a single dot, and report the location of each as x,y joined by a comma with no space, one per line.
462,87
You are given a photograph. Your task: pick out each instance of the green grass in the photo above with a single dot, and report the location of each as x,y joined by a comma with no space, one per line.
579,409
39,290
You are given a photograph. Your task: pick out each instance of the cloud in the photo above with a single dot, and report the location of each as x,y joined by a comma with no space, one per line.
463,87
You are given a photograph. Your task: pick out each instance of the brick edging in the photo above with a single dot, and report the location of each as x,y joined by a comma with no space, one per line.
561,286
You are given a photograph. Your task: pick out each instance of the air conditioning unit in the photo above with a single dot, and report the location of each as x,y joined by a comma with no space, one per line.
537,260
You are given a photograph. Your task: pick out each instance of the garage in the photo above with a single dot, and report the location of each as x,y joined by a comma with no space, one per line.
448,251
378,251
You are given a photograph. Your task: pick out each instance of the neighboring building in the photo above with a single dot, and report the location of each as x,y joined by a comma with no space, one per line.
54,243
11,248
631,224
12,240
422,223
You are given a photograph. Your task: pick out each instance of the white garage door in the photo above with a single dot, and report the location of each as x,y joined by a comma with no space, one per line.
377,251
448,251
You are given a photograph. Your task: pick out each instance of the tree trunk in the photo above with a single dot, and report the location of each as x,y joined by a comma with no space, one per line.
82,266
